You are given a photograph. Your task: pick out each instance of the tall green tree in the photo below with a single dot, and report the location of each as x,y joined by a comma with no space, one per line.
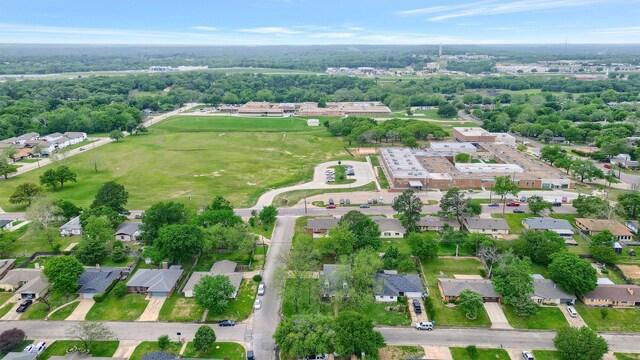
292,277
112,195
63,273
592,207
116,135
423,246
573,274
7,169
25,193
504,186
63,174
580,343
512,277
204,339
470,302
305,335
366,230
629,204
161,214
178,243
48,178
454,205
96,234
45,217
552,153
540,246
586,170
409,206
214,293
268,214
358,271
355,335
537,205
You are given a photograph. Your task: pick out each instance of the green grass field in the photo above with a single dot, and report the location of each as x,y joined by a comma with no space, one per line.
546,354
64,312
483,354
514,220
626,356
39,310
182,309
618,320
219,350
128,308
98,349
547,318
241,307
147,347
192,162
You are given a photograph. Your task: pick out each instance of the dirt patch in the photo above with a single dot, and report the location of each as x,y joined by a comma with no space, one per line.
630,271
182,308
401,352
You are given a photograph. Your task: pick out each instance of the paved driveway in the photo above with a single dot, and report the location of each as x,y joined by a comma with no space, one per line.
126,348
152,311
12,314
496,315
417,317
81,310
573,321
437,352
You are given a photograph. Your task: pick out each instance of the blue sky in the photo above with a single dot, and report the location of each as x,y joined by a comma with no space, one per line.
300,22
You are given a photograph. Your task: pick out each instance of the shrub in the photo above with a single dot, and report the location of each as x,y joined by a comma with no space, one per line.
604,313
605,271
98,297
429,308
120,290
56,248
204,339
483,273
11,339
257,278
118,255
472,350
117,244
163,342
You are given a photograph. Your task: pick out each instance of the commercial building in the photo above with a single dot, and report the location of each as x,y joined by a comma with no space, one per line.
453,148
343,109
473,135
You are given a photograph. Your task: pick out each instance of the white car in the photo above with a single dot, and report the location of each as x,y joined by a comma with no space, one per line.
527,355
257,305
572,311
262,288
424,325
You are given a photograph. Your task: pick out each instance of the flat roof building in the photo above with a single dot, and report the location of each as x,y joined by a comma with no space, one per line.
472,134
453,147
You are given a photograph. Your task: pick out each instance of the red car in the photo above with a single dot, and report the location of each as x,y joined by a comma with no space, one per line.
607,166
331,206
513,203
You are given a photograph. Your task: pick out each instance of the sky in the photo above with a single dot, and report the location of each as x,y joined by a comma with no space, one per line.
320,22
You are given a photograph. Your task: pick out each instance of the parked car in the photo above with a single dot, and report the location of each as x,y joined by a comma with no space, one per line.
364,206
250,355
28,348
424,325
523,198
331,206
513,203
331,202
341,201
39,348
527,355
572,311
24,306
494,204
82,149
416,306
347,201
607,166
257,305
227,323
557,203
262,288
518,211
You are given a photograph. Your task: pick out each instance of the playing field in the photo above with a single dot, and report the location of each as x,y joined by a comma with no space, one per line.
194,159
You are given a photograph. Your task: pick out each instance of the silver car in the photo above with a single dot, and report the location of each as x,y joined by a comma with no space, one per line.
262,288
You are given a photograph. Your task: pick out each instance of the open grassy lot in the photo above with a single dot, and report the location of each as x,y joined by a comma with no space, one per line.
514,220
147,347
184,161
128,308
309,302
241,307
547,318
626,356
64,312
39,310
483,354
181,309
5,296
447,267
29,242
219,350
546,354
401,352
619,320
98,349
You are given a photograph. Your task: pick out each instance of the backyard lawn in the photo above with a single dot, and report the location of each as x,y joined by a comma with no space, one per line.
30,242
147,347
483,354
127,308
547,318
618,320
181,309
219,350
97,349
241,307
447,267
514,220
245,157
39,310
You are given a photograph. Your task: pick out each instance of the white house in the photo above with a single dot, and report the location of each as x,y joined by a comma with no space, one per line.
72,227
390,228
128,231
391,286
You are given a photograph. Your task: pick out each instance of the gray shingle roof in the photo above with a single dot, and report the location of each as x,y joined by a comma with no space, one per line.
322,223
386,224
156,279
128,228
94,281
486,224
547,289
453,287
15,277
72,224
223,267
429,221
331,275
547,224
393,285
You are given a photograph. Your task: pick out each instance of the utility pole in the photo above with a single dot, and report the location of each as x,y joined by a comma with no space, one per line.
305,205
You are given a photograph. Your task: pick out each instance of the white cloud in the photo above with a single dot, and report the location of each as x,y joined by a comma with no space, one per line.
443,8
333,35
205,28
620,31
270,30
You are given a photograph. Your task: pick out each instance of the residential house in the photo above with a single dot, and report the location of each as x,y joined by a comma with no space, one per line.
390,228
75,137
559,226
128,231
5,266
155,282
319,227
224,267
391,286
96,280
330,279
450,289
558,140
52,137
430,223
34,289
5,224
72,227
546,292
595,226
16,278
159,355
613,296
486,226
633,226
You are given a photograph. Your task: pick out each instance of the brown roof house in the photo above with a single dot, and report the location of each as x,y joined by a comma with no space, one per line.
613,296
450,289
430,223
595,226
486,226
